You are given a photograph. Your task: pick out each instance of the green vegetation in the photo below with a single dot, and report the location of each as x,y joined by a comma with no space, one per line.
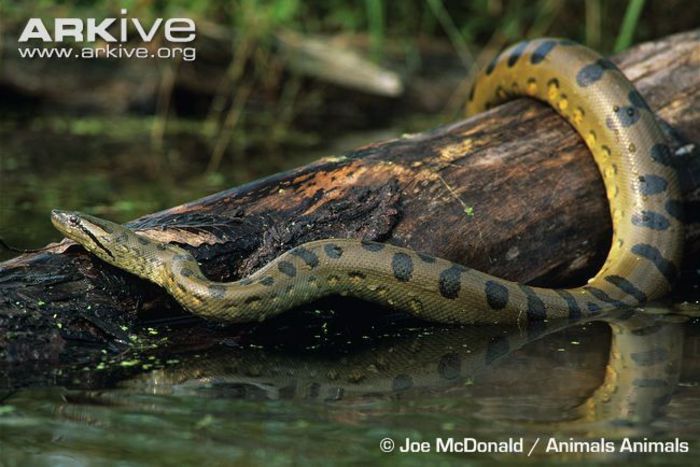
629,24
240,112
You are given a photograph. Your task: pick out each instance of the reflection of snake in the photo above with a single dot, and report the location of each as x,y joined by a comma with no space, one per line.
604,108
642,371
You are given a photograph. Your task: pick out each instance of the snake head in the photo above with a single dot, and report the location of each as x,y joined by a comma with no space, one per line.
105,239
118,245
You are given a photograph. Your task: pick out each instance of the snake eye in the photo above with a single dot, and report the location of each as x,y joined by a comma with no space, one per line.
73,220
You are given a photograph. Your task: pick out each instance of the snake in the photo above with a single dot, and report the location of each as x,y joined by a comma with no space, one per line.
618,127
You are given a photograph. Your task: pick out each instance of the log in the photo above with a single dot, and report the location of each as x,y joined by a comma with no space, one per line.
513,192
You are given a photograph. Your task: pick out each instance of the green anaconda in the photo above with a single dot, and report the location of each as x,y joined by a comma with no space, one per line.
603,107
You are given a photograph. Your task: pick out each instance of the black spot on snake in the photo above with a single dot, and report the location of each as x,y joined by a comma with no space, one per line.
372,246
675,209
267,281
333,279
426,258
571,304
593,308
332,250
287,268
401,383
662,154
501,92
357,275
449,282
402,265
252,300
160,246
471,93
589,74
652,184
623,117
650,357
217,291
665,267
142,240
496,295
182,257
627,287
603,296
496,348
651,220
123,237
246,281
450,366
628,116
637,100
535,305
186,272
541,51
517,53
308,256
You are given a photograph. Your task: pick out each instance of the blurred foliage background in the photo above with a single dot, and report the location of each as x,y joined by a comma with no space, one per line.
275,84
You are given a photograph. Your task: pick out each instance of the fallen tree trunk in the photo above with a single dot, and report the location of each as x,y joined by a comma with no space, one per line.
513,192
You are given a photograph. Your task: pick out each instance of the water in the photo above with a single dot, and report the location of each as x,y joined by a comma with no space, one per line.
314,387
334,394
111,167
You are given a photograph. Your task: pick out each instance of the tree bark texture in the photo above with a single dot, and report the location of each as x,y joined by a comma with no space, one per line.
512,192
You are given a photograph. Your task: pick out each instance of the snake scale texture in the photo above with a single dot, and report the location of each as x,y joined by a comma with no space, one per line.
603,107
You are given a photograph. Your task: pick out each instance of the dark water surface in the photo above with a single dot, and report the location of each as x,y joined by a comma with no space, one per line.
316,388
334,395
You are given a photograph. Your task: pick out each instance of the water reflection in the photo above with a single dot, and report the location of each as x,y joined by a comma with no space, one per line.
565,380
643,362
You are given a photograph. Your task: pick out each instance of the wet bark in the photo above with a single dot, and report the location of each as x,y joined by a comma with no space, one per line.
513,192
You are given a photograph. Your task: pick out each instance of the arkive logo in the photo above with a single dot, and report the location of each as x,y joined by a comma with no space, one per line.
120,37
88,30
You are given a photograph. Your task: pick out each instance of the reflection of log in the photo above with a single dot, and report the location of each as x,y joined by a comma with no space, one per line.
513,192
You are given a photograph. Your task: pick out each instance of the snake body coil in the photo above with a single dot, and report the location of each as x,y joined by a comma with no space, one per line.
600,103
